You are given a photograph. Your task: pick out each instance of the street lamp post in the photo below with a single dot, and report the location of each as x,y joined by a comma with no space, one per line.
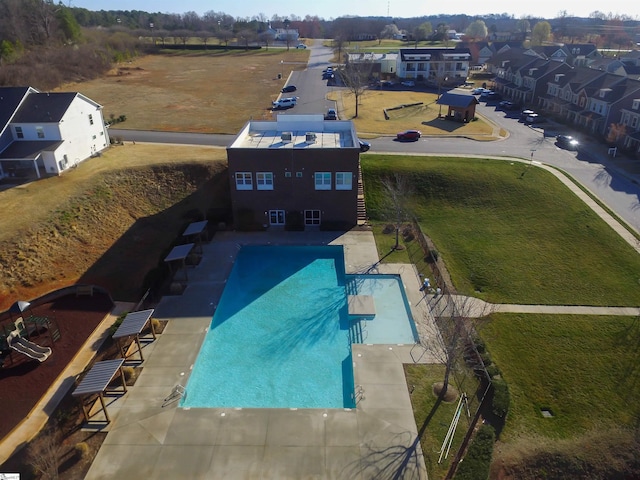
153,39
281,68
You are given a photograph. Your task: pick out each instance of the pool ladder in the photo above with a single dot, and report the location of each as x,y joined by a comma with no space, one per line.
358,394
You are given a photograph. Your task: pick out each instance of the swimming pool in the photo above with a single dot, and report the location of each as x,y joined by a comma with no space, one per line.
281,334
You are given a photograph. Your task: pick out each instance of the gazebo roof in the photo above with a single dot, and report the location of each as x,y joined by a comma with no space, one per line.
457,100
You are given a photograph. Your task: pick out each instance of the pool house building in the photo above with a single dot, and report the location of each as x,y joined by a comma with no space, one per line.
299,171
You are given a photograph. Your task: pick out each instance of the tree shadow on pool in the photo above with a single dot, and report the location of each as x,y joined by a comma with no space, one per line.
318,324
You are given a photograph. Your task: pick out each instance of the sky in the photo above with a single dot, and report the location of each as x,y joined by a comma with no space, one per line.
329,9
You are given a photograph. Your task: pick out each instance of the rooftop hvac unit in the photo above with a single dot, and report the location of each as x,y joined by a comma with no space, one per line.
310,137
286,136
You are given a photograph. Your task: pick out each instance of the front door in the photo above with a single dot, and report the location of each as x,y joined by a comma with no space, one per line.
276,217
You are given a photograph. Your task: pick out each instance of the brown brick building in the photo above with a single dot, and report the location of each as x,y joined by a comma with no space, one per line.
300,171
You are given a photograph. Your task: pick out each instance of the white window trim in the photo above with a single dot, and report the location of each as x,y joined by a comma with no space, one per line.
241,181
323,182
345,177
264,180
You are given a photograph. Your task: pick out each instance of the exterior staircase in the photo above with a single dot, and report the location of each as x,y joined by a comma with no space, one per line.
362,209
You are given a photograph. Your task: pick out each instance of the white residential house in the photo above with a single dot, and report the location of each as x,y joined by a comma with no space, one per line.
47,133
284,34
439,66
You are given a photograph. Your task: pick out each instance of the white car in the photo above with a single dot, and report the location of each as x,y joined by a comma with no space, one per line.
301,45
287,102
409,83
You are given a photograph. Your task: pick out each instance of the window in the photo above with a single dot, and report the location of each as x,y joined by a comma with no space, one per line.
343,180
298,174
276,217
264,180
93,137
90,119
19,133
312,217
634,122
287,174
635,106
40,132
244,181
323,180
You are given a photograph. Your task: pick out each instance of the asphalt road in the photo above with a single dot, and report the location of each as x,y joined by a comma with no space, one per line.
591,167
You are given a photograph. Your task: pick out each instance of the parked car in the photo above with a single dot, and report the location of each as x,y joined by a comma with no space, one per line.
282,103
507,105
301,45
408,83
387,84
567,142
364,146
327,75
533,118
525,113
413,135
331,114
479,91
489,95
289,88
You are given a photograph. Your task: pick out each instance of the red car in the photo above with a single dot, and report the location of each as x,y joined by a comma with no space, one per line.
409,135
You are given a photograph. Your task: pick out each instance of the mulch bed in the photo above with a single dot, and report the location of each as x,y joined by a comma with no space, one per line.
24,382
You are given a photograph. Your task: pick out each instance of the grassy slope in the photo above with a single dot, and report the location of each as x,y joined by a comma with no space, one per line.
583,368
510,233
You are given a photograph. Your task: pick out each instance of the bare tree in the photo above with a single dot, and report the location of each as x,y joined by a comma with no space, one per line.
204,35
399,190
289,38
246,36
224,36
266,38
163,35
450,343
339,42
183,35
43,454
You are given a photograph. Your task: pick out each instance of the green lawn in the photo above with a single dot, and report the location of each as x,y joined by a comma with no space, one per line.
583,368
432,422
510,233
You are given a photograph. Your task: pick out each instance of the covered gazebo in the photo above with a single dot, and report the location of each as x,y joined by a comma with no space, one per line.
461,108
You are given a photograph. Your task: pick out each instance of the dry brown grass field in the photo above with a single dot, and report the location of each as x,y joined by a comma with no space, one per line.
203,92
420,113
219,92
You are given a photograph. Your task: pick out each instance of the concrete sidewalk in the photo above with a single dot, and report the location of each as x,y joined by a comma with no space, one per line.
471,307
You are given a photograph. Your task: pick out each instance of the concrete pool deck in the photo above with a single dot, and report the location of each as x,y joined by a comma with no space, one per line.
150,437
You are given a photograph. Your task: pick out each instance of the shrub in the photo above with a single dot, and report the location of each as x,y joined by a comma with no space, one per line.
81,450
128,373
475,465
116,324
155,324
500,399
493,371
433,253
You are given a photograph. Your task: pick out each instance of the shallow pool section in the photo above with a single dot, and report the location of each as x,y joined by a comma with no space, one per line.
280,335
393,322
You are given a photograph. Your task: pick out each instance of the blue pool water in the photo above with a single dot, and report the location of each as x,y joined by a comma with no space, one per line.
281,334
